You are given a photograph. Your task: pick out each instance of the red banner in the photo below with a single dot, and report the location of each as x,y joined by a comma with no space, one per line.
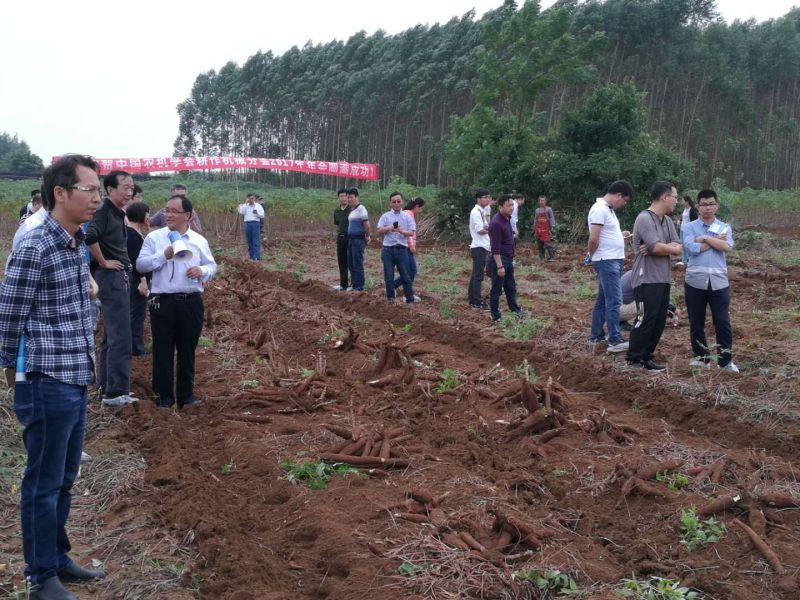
202,163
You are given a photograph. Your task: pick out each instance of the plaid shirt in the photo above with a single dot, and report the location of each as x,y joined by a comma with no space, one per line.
45,295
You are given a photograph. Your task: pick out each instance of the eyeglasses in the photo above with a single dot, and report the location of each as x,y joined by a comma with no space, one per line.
91,189
172,211
707,204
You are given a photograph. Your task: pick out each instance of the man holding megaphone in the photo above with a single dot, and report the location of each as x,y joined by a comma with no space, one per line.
180,261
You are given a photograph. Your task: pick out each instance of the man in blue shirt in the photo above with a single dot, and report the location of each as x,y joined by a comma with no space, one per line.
501,262
45,297
396,227
707,240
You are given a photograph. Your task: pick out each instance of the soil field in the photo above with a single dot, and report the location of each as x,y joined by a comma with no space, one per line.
480,454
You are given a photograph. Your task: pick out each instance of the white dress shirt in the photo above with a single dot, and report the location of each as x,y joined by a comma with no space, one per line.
251,212
169,276
479,219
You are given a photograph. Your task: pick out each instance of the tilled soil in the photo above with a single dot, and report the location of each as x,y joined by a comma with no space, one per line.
583,489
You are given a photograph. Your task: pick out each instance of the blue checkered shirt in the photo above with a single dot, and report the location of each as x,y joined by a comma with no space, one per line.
45,295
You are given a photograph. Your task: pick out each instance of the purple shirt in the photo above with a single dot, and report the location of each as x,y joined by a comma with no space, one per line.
501,236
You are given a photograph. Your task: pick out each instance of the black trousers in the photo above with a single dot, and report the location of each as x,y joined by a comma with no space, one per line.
719,301
138,310
176,321
652,300
479,257
341,256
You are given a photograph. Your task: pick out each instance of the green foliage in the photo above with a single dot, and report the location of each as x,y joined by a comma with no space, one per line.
449,380
655,588
405,327
674,481
518,329
409,569
315,475
16,156
525,370
228,467
247,384
696,532
548,581
204,342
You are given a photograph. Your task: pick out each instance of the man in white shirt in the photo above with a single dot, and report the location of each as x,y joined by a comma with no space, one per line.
517,200
479,248
253,214
607,252
176,304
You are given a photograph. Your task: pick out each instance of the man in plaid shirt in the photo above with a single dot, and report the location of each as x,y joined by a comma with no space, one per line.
45,297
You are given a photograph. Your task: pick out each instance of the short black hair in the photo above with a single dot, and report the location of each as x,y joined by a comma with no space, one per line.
703,194
250,195
503,199
178,186
415,202
482,192
353,192
341,191
137,189
186,204
136,212
37,199
112,179
63,173
621,187
659,189
34,192
393,194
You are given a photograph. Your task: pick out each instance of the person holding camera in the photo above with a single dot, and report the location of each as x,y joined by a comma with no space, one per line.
397,227
253,214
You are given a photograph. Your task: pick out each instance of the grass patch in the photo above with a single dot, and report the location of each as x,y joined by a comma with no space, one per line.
445,309
655,588
518,329
448,380
315,475
697,532
553,582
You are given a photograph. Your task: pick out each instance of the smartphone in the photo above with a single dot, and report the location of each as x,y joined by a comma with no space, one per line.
396,224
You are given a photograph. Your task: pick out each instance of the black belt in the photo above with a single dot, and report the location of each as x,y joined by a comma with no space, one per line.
186,296
357,237
397,246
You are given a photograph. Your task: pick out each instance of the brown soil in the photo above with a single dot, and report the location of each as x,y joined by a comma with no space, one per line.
593,510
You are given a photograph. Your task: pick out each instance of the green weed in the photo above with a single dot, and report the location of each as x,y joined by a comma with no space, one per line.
247,384
448,381
656,588
518,329
405,328
674,481
549,581
524,370
205,342
315,475
445,309
409,569
696,532
228,467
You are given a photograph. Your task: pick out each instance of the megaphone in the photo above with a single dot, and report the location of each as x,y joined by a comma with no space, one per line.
179,248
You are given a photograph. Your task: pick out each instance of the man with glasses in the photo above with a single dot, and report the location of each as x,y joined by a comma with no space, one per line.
397,227
176,303
479,247
606,251
107,240
654,242
706,241
159,218
45,297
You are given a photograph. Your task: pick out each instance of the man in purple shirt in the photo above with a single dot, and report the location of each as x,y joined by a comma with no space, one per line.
501,265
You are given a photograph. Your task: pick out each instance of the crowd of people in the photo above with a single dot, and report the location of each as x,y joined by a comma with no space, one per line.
47,332
81,244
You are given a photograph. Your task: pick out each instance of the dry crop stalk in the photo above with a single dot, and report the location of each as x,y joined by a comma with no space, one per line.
365,460
248,418
762,546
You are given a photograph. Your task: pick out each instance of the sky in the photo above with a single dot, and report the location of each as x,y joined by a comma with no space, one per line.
104,78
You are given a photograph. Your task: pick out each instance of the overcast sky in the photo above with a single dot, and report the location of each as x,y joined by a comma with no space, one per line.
104,78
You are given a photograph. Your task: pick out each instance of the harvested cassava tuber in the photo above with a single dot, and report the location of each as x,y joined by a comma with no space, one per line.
719,505
762,546
413,517
472,542
453,540
779,500
651,470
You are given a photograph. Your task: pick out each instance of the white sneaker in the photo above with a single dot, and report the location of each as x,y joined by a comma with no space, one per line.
618,347
338,288
699,363
132,397
350,289
85,457
415,300
730,368
120,400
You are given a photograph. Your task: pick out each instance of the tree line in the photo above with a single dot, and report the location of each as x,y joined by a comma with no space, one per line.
720,98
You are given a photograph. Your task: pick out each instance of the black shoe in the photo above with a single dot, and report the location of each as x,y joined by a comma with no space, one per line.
73,572
164,402
51,589
190,401
651,367
481,307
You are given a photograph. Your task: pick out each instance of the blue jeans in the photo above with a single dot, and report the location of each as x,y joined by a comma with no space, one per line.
609,299
355,262
53,416
505,284
252,233
391,257
412,271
